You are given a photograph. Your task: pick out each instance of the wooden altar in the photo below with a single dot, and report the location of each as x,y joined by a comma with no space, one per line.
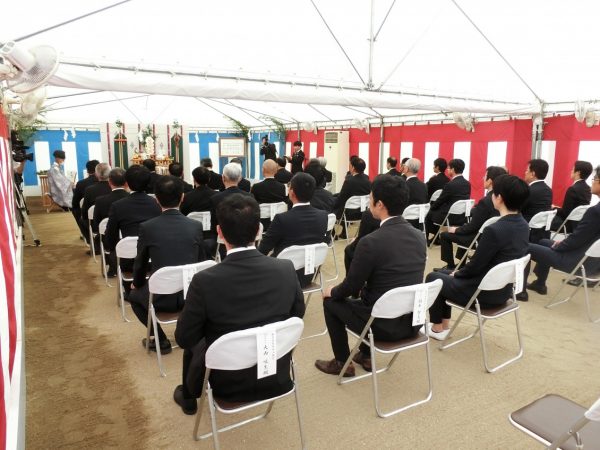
162,163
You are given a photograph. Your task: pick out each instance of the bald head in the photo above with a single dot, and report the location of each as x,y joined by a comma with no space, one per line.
269,168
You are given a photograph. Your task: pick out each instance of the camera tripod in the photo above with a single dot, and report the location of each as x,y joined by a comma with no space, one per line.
23,215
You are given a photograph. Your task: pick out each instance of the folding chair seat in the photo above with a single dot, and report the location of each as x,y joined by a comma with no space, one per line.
459,207
435,195
473,243
126,248
542,220
592,252
91,233
331,244
360,202
203,217
574,216
222,242
101,231
417,212
510,272
238,350
558,422
168,280
393,304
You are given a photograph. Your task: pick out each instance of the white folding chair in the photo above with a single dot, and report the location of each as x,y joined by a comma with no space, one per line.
287,189
417,212
300,255
126,248
574,216
92,234
542,220
168,280
458,208
331,244
473,243
559,423
391,305
270,210
101,232
435,195
236,351
222,242
360,202
203,217
509,272
592,252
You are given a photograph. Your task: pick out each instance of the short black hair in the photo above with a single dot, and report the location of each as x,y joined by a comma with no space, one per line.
90,166
137,178
539,167
281,161
514,191
239,218
404,160
236,160
206,162
149,164
297,144
441,164
176,169
201,175
315,169
492,172
168,190
458,165
392,192
584,168
353,157
117,177
393,162
304,186
359,165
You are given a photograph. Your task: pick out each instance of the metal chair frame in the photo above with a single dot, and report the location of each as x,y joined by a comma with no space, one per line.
331,244
92,234
125,248
101,232
473,243
574,216
458,207
355,202
417,212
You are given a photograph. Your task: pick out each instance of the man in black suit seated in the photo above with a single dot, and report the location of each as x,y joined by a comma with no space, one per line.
417,190
503,241
199,198
376,268
150,164
328,175
268,150
439,180
578,194
322,198
176,169
269,190
243,184
246,290
282,175
90,195
297,159
391,164
170,239
402,169
457,189
368,224
116,181
301,225
564,255
357,184
540,196
216,180
78,192
465,234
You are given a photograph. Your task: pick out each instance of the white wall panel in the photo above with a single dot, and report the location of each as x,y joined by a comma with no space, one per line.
496,154
462,150
193,158
432,150
406,150
363,152
590,151
71,158
548,149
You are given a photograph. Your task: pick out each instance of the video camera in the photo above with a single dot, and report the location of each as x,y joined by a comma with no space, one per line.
19,148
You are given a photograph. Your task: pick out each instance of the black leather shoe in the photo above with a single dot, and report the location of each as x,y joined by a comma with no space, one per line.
165,346
523,296
189,406
537,287
363,360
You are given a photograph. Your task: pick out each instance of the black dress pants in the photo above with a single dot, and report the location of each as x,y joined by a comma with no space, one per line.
446,240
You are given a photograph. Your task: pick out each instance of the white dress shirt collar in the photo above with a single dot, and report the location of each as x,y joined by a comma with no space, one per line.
385,220
301,204
240,249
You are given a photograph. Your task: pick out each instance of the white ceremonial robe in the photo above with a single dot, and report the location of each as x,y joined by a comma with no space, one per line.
61,188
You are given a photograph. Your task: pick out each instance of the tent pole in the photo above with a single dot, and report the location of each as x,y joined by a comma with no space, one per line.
371,47
381,144
537,135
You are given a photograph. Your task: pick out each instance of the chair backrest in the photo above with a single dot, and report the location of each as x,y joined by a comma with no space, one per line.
577,214
357,202
542,220
237,350
297,254
594,412
330,221
594,250
91,212
435,195
269,210
462,207
127,247
172,279
399,301
102,226
487,223
503,274
201,216
414,212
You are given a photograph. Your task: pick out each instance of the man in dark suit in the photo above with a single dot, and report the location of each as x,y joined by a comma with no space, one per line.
243,184
297,159
465,234
150,164
417,190
79,191
246,290
391,164
199,198
92,193
328,175
282,175
269,190
578,194
540,196
564,255
267,149
322,198
176,169
439,180
357,184
376,268
301,225
503,241
368,224
170,239
457,189
216,180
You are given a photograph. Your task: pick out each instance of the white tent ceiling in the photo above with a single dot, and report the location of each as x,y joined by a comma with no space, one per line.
198,62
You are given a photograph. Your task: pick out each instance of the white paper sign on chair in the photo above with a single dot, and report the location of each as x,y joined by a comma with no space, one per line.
309,260
187,273
266,351
420,305
519,274
421,213
468,207
273,210
364,202
549,218
206,222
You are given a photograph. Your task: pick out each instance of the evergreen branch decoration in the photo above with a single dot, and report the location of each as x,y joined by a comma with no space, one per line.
278,126
239,127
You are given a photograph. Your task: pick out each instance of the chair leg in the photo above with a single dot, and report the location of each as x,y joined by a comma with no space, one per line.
156,342
587,297
438,232
483,346
335,264
297,397
346,228
444,344
213,419
552,303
